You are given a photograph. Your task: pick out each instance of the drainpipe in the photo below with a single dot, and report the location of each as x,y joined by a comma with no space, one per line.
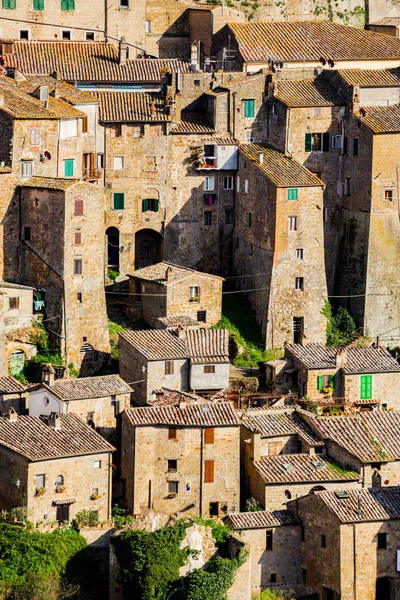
354,563
233,114
106,18
287,131
201,473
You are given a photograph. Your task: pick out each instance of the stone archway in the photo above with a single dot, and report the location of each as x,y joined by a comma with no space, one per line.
148,248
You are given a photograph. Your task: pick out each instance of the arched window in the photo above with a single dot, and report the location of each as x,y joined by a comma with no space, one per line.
288,494
59,481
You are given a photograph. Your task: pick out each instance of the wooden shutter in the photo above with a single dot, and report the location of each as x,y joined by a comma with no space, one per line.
12,4
156,205
208,471
144,205
68,168
308,144
325,142
209,435
78,238
320,382
38,4
172,433
355,146
293,194
119,201
64,4
366,387
78,208
169,367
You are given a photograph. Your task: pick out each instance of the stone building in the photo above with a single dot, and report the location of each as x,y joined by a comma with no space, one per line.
189,360
278,203
166,290
387,25
55,467
13,394
181,458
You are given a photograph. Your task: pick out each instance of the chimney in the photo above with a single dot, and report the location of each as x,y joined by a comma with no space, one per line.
261,157
123,51
12,415
153,108
54,421
180,332
182,403
48,374
168,273
377,341
1,100
358,503
341,357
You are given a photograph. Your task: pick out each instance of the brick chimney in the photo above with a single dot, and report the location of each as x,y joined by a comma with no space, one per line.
255,446
180,332
12,414
54,421
123,51
168,273
341,357
48,374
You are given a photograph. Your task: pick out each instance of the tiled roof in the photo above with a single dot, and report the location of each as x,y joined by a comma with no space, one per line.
33,438
48,183
313,356
131,107
177,321
86,61
285,41
270,424
9,385
207,345
370,436
381,119
221,141
89,387
296,468
193,122
175,397
219,414
63,90
176,273
4,170
308,92
376,504
395,21
371,77
261,519
280,169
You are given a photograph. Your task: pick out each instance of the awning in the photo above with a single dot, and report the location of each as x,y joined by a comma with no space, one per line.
64,501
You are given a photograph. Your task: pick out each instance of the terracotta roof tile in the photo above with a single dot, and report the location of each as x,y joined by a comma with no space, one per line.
193,122
371,77
176,273
131,107
48,183
9,385
89,387
262,519
309,92
295,468
65,91
285,41
219,414
177,321
33,438
376,504
270,424
395,21
280,169
381,119
205,345
175,397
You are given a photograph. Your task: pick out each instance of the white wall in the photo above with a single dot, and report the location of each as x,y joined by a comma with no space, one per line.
209,381
38,406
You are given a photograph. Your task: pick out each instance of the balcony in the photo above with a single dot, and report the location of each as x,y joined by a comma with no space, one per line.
92,174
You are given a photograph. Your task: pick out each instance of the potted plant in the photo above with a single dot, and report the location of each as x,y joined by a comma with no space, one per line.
94,496
3,515
39,491
53,524
60,489
12,516
39,523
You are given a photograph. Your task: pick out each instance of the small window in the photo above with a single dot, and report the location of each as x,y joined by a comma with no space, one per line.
304,575
26,168
27,234
95,491
336,141
292,223
78,211
384,406
366,387
208,471
169,367
299,253
172,431
78,238
201,316
100,161
382,541
89,36
323,541
237,183
356,146
148,26
249,219
13,303
246,186
97,464
288,493
317,111
269,539
172,466
59,481
118,201
303,533
207,217
67,4
326,214
273,578
274,110
38,4
35,137
209,436
24,34
209,368
78,266
249,137
79,297
116,129
228,182
172,487
293,194
85,124
197,82
347,186
137,131
248,109
118,163
124,3
194,293
40,481
213,509
229,216
69,168
299,284
274,448
150,205
66,35
251,250
209,183
389,195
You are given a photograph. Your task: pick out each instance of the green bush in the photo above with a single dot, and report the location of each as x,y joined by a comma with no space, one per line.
87,518
340,328
253,506
112,274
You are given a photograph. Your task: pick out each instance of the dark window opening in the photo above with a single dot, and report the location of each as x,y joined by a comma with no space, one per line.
172,487
273,577
27,234
268,539
213,509
66,35
24,34
172,465
201,316
90,36
172,431
323,541
382,541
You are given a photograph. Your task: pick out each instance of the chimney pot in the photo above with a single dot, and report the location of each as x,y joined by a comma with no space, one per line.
261,157
341,357
54,421
12,414
123,51
180,332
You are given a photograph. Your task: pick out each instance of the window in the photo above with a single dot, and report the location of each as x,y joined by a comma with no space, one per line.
303,533
366,387
194,293
78,266
9,3
274,110
213,509
269,539
209,435
246,186
273,578
323,541
13,303
249,219
97,464
172,465
118,163
248,109
317,142
150,204
237,183
66,35
116,129
137,131
78,212
26,168
197,83
336,141
288,493
299,253
325,381
317,111
389,195
209,183
229,213
27,234
67,4
148,26
382,541
293,194
201,316
207,217
346,191
79,297
85,124
40,481
228,182
249,137
169,367
59,481
69,168
89,36
251,250
68,128
208,471
172,487
292,222
209,368
124,3
384,406
274,448
172,431
78,238
118,201
100,161
35,137
356,146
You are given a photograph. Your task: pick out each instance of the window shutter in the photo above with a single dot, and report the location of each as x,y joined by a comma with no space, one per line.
12,4
325,142
332,381
369,387
345,145
208,471
64,4
144,205
156,203
366,387
355,146
308,146
320,382
209,435
68,168
119,201
293,194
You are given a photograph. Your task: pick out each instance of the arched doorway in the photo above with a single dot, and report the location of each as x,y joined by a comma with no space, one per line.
17,362
112,235
383,589
148,248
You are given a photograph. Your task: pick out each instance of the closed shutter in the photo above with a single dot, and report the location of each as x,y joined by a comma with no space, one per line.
366,387
119,201
308,144
320,382
249,109
155,204
325,142
293,194
208,471
38,4
332,381
209,435
68,168
64,4
78,208
144,205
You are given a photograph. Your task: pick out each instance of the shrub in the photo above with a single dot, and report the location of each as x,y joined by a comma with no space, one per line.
253,506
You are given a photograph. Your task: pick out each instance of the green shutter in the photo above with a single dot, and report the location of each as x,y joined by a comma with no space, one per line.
320,382
144,205
325,142
156,204
366,387
293,194
71,4
355,146
9,3
38,4
64,4
332,381
308,147
249,109
68,168
119,201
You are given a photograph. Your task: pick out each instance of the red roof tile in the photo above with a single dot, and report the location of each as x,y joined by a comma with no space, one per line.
221,414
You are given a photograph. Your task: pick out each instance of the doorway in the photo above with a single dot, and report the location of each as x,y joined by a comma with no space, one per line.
148,248
62,513
17,362
383,589
112,235
298,330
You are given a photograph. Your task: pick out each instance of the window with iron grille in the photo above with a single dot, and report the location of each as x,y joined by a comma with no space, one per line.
209,368
201,316
169,367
